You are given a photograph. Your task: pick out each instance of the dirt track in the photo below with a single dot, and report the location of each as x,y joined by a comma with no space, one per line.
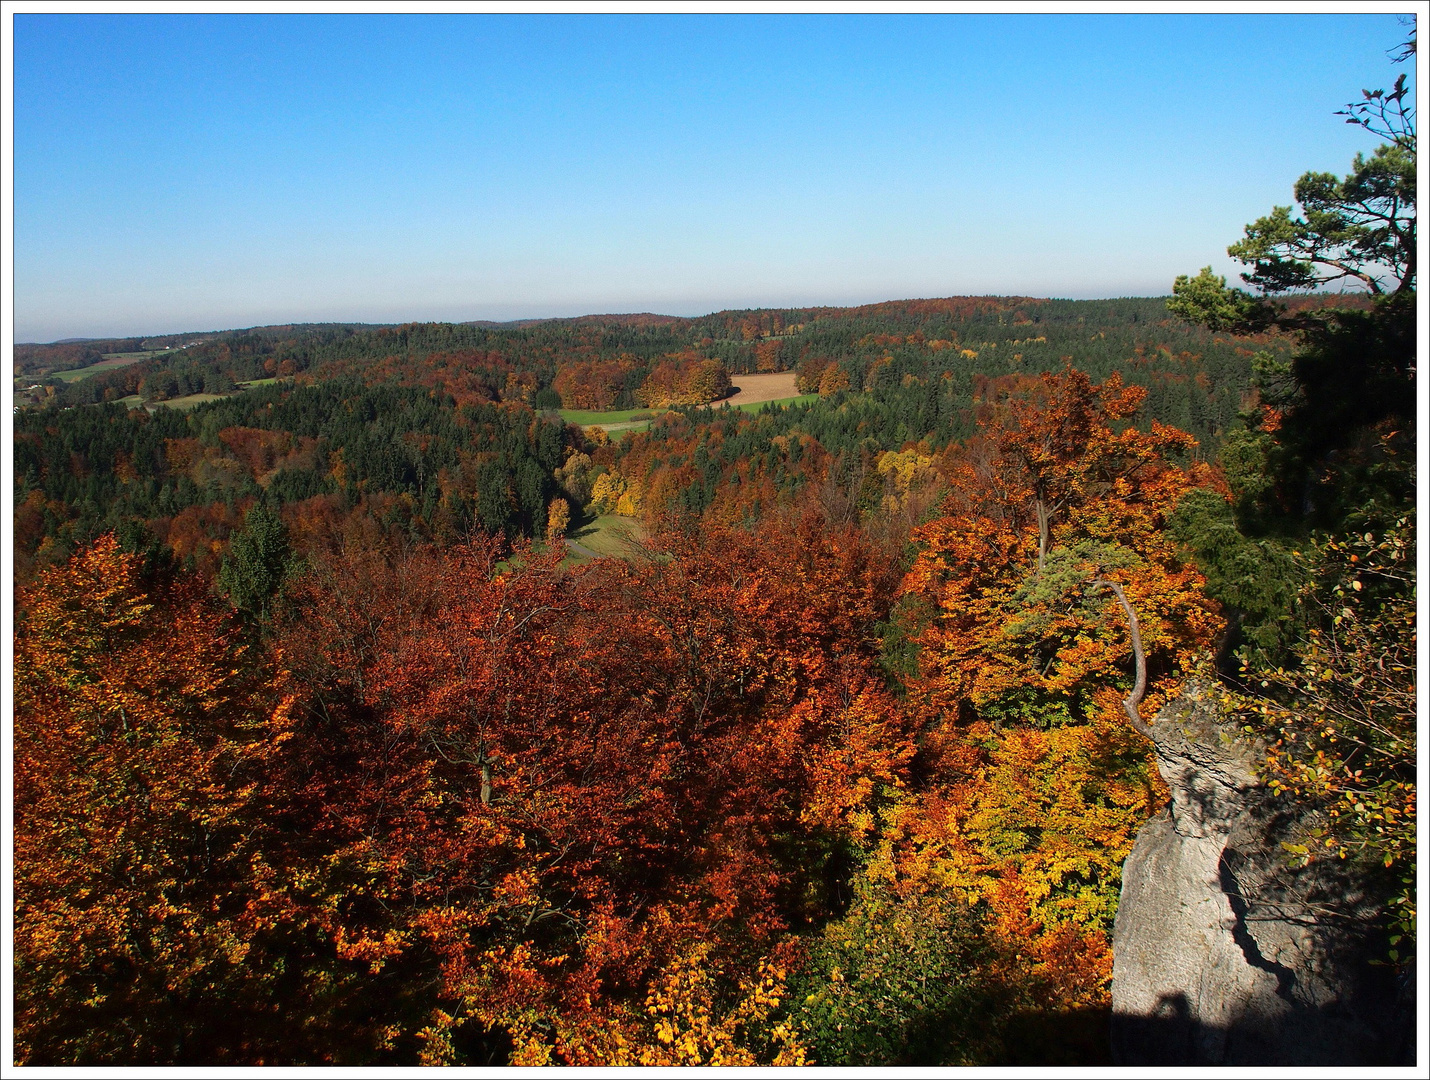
752,389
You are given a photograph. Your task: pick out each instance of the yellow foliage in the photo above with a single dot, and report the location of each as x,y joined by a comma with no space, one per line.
629,504
696,1013
614,494
1024,665
683,1016
607,491
558,516
834,379
903,468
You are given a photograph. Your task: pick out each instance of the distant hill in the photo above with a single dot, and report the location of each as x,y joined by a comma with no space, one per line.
933,305
434,429
601,361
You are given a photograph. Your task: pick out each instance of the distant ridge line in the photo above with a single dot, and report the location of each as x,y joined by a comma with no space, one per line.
647,318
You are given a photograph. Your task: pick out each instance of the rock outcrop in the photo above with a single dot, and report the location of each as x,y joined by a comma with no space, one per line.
1223,952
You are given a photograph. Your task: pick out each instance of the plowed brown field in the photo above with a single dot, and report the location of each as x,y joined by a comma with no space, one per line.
752,389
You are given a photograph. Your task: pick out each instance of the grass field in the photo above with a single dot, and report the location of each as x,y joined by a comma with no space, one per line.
186,402
586,418
606,537
190,400
109,363
615,432
609,536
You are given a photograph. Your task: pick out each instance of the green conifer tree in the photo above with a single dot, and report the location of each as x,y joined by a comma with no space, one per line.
259,560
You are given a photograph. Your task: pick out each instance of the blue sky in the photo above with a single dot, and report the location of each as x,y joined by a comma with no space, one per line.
206,172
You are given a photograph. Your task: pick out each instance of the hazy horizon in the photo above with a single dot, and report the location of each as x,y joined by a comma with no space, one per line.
245,170
572,315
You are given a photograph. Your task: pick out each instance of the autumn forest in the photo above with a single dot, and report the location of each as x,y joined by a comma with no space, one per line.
512,693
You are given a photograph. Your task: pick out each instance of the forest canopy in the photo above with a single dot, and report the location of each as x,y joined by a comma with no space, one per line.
477,694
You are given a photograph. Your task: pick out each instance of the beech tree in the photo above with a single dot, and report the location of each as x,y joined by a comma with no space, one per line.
1055,601
140,869
541,788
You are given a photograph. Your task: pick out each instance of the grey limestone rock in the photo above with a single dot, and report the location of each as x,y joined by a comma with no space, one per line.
1223,952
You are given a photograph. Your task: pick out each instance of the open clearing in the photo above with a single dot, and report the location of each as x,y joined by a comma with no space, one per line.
756,406
749,393
588,418
109,363
186,402
757,389
190,400
608,536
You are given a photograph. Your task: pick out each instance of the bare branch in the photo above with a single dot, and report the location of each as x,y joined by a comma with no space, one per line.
1139,688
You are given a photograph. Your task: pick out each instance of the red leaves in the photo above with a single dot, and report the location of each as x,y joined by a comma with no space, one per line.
592,384
582,770
1023,661
582,806
1051,498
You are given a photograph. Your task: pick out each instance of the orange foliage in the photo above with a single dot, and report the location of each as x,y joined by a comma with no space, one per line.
811,370
660,470
768,356
833,379
139,877
33,548
547,784
1104,497
1024,663
584,812
684,379
592,384
265,452
470,376
198,535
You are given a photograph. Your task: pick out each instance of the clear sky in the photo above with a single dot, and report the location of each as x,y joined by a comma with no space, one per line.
207,172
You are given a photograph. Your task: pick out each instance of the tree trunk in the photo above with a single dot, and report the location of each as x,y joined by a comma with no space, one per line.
1042,508
1139,689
